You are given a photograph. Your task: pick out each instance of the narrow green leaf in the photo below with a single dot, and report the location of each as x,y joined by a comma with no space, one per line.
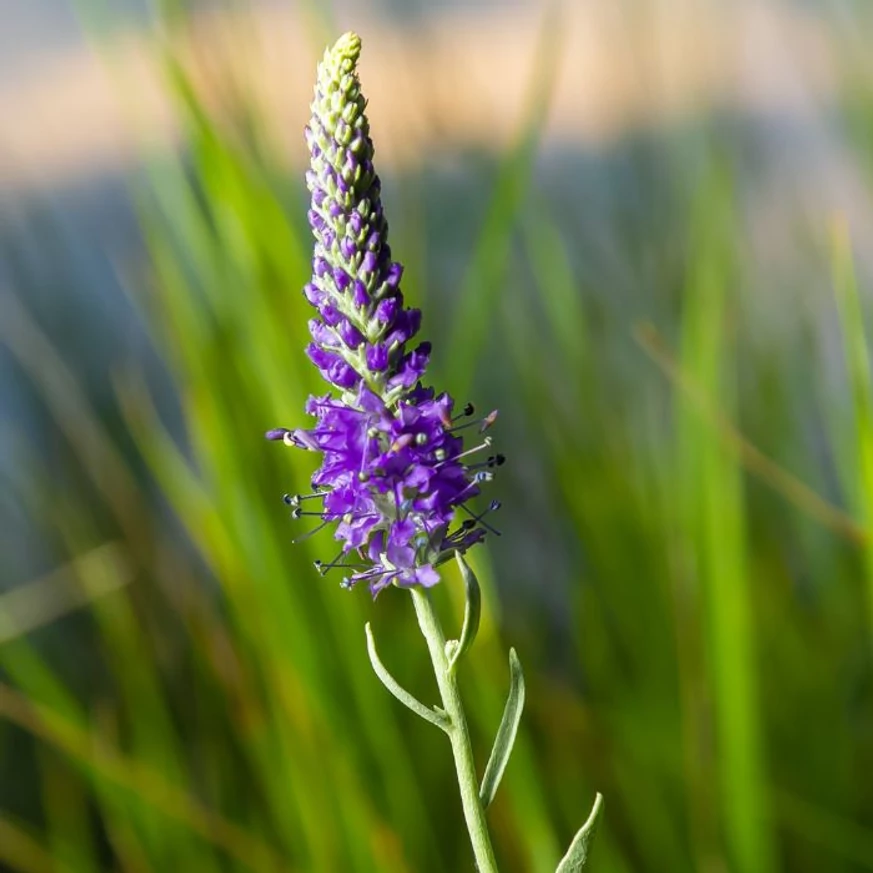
857,362
505,739
577,854
425,712
715,539
472,612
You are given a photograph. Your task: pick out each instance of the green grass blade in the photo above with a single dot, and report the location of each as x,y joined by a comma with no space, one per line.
712,487
857,359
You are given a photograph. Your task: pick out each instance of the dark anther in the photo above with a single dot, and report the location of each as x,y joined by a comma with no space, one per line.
297,512
478,519
324,568
297,499
468,410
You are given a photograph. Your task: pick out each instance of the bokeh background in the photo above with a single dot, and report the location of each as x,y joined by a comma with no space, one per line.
643,230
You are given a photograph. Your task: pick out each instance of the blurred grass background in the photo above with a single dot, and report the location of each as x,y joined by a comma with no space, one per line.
665,293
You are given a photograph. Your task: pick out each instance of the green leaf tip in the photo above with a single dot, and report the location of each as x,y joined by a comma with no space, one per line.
505,739
577,854
472,613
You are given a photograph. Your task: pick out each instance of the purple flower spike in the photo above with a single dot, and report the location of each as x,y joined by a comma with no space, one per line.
394,472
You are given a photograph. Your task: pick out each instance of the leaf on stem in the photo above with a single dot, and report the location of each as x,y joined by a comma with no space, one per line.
425,712
472,611
577,854
505,739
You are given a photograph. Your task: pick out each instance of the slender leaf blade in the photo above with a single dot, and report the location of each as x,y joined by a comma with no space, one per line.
397,689
505,739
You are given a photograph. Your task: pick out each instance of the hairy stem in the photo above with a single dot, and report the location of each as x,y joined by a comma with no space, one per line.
468,782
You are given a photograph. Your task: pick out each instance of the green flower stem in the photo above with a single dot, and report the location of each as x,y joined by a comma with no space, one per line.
474,812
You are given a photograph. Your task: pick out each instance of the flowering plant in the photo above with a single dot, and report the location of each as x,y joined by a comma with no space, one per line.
395,479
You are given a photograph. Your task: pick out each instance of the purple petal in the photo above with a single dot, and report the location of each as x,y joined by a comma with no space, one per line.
359,294
377,357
